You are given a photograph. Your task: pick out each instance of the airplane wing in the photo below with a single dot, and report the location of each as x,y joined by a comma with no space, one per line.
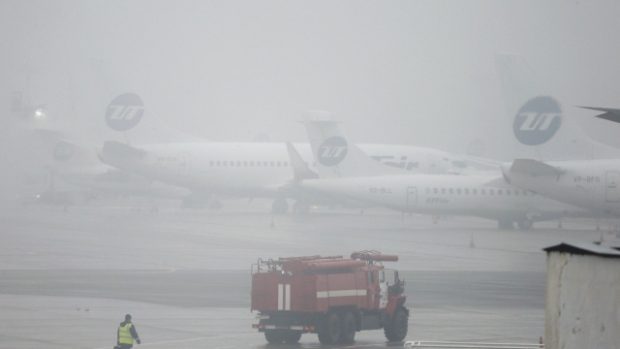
611,114
121,155
534,168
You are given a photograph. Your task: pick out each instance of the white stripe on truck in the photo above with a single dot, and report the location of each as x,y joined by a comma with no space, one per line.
280,297
340,293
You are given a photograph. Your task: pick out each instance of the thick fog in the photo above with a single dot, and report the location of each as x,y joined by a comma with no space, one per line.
411,72
152,150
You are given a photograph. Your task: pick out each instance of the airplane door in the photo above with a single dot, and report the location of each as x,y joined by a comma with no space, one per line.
612,187
412,197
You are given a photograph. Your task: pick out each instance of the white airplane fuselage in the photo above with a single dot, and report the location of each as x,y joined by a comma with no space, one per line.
593,185
254,169
475,195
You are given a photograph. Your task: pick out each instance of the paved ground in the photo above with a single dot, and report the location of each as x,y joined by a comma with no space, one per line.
68,277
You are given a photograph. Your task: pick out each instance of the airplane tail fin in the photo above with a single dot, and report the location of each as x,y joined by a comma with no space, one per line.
335,156
126,119
301,170
540,129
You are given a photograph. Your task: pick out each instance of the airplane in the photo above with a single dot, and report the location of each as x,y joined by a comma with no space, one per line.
242,169
591,182
58,170
345,171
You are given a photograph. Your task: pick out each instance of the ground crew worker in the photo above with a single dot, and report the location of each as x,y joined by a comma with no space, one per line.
127,334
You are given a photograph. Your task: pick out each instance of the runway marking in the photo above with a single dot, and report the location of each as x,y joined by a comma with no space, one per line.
186,340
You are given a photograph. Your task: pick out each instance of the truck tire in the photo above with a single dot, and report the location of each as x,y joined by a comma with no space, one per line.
396,331
330,330
349,327
292,337
274,336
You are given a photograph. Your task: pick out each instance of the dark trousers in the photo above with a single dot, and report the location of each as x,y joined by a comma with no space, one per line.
124,346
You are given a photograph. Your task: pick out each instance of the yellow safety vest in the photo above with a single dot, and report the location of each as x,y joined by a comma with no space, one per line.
124,334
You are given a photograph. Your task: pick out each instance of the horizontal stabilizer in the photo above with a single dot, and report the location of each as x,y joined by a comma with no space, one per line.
611,114
534,168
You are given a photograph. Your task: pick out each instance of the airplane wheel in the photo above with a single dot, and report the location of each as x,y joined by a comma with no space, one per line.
505,224
279,206
525,224
300,207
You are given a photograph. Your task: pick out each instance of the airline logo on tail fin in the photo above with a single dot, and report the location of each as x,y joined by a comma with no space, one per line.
332,151
124,112
538,120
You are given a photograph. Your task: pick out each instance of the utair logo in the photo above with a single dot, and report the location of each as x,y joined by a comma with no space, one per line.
124,112
332,151
537,120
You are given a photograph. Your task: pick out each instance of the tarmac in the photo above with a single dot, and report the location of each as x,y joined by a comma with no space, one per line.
68,276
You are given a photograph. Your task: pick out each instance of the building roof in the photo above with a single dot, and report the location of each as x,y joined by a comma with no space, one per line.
584,249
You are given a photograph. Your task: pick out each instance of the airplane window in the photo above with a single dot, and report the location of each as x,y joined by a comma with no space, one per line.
265,163
211,163
224,163
252,163
232,164
239,163
508,192
278,164
458,191
516,192
435,190
451,190
474,191
217,163
273,164
443,190
500,192
427,190
491,192
285,163
483,192
466,191
245,164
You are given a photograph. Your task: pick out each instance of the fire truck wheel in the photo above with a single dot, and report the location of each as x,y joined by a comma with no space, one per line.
292,337
330,329
397,330
349,327
274,336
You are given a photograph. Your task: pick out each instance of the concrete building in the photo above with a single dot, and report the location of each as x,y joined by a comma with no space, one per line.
583,297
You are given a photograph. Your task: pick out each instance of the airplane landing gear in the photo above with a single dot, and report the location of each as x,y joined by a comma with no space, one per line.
279,206
505,224
525,224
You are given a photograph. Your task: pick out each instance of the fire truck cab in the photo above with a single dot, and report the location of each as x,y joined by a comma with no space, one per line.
332,296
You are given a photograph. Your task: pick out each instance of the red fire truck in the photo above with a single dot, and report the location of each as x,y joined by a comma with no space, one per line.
332,296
